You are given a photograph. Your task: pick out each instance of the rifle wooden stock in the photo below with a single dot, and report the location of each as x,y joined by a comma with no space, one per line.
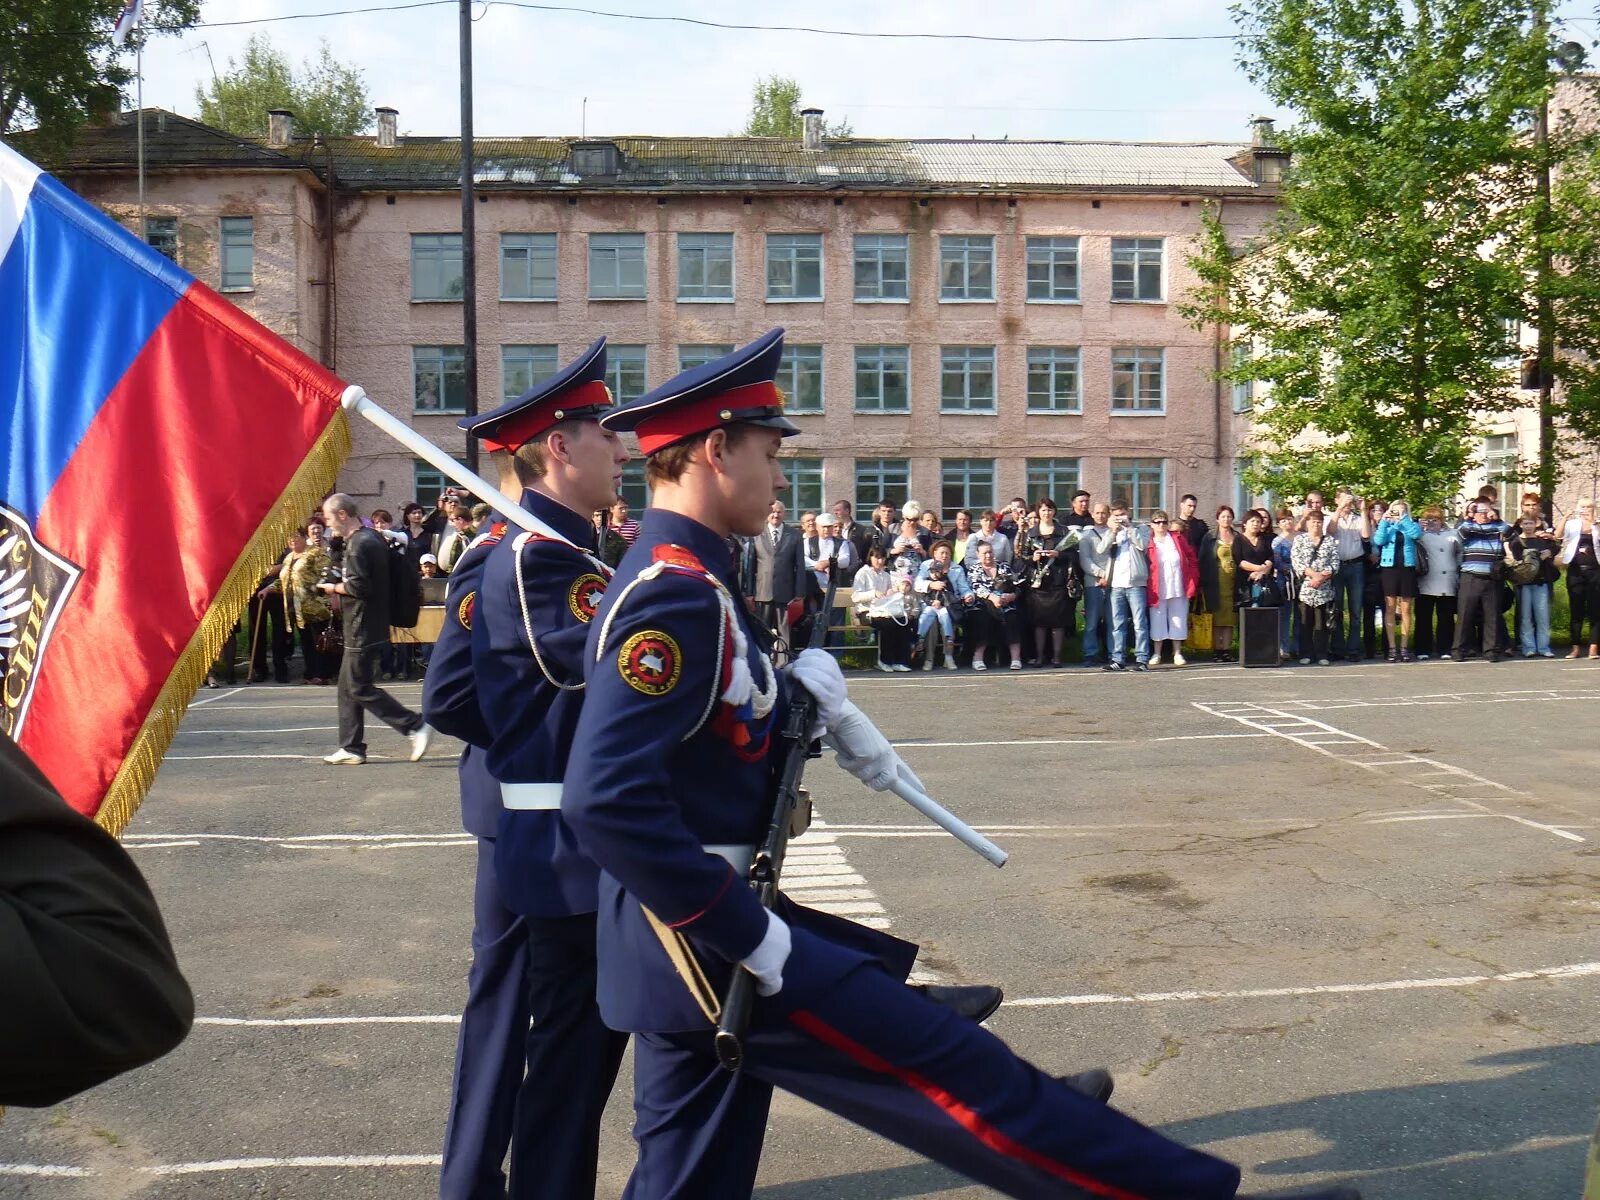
767,868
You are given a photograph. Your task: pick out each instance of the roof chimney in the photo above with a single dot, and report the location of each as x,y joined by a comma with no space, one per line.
388,118
1268,160
813,132
280,128
1261,133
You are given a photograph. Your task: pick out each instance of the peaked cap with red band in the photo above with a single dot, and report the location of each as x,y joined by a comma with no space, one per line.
577,392
738,389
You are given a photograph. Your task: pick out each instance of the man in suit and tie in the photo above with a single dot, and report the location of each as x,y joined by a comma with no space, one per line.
780,572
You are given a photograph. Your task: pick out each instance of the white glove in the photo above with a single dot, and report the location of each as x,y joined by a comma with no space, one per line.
767,959
818,672
864,752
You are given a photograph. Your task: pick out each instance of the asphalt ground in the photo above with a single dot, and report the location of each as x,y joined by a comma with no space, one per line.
1336,924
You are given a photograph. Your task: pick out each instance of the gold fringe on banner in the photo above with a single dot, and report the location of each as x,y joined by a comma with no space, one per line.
312,481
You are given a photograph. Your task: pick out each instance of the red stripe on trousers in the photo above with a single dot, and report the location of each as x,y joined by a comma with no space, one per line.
178,469
961,1114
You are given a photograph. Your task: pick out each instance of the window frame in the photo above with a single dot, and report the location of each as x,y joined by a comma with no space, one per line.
1138,512
967,465
553,357
702,353
634,487
946,243
704,251
967,361
426,476
165,224
1243,392
1137,361
614,249
1136,249
1075,403
788,377
879,371
1497,469
443,358
1048,242
1062,493
529,248
882,470
620,358
225,225
435,248
792,497
794,245
877,261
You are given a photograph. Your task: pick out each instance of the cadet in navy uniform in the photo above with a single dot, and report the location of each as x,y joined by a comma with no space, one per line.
668,788
529,625
494,1023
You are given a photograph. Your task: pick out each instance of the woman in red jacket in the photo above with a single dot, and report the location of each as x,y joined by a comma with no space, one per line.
1174,581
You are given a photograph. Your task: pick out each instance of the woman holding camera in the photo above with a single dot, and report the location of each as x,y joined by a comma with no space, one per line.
1046,549
887,603
1395,540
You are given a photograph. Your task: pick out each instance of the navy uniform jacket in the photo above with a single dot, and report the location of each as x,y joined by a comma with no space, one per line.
450,690
662,767
531,696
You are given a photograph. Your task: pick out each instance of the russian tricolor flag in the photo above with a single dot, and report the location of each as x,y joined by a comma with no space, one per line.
156,445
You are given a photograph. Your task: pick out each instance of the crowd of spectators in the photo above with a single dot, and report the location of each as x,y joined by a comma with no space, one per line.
1030,584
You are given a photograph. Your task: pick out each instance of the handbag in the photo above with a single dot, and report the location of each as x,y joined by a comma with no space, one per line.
1201,636
330,640
892,606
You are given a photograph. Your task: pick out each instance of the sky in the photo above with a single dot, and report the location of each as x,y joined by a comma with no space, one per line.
566,73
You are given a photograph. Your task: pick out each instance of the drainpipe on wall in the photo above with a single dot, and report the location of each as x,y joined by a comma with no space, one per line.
330,327
1216,371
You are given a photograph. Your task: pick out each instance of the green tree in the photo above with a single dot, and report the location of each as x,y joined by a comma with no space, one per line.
1575,294
58,65
1377,305
775,111
325,95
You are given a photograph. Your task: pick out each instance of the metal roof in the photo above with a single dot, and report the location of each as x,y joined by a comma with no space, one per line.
691,164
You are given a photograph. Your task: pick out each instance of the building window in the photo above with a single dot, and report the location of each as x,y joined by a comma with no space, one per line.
633,487
527,266
700,355
426,483
523,366
883,379
705,266
1138,380
238,254
1056,478
1136,268
1244,390
162,235
966,268
800,377
1052,269
616,266
1500,463
881,480
438,379
1243,498
625,372
805,484
436,272
966,483
1054,379
966,379
883,266
794,266
1138,483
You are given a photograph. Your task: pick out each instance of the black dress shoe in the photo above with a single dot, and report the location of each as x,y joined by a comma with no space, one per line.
1095,1084
976,1003
1333,1193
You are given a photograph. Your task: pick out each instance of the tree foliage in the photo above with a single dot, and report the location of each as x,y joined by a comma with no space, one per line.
325,95
57,63
775,111
1575,291
1376,308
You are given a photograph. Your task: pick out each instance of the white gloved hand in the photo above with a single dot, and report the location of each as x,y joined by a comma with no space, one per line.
766,961
864,752
818,672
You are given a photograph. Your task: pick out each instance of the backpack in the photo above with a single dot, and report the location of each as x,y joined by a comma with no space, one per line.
405,584
1525,569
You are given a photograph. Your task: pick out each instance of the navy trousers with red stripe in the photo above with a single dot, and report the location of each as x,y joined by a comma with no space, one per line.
874,1052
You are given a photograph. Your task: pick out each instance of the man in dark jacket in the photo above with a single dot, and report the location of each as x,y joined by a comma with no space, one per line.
364,600
92,988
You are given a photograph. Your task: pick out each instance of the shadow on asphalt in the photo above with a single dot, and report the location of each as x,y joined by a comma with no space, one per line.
1426,1142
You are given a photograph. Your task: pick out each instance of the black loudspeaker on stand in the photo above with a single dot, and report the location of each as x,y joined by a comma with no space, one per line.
1258,637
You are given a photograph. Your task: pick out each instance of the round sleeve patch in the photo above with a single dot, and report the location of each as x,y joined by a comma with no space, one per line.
583,597
464,609
650,663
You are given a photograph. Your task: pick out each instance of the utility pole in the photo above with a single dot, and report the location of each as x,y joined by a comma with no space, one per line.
469,253
1544,267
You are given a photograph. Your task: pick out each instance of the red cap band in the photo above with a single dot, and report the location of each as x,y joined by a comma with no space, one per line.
517,431
701,416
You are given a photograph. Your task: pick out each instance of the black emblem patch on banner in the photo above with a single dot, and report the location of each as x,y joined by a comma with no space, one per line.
34,586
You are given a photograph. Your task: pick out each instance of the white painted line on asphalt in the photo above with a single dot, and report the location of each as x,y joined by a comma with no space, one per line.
297,1162
1450,816
214,699
1181,737
1571,971
1313,735
160,845
1436,699
390,845
45,1169
226,757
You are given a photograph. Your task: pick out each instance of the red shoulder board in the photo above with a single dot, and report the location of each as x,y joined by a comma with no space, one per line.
677,556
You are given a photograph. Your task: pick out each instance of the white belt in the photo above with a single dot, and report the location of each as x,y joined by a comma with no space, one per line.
738,857
539,797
